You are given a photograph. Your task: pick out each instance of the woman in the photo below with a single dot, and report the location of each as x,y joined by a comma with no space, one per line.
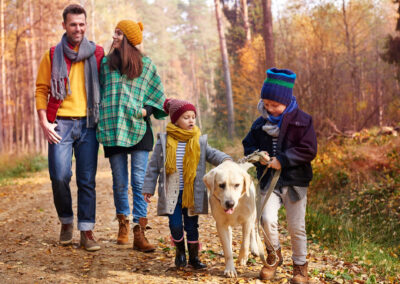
131,91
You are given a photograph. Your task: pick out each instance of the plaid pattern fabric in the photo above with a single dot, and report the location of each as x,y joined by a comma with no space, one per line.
121,122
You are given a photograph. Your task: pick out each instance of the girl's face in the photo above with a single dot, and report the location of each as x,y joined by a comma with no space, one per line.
187,120
117,38
274,108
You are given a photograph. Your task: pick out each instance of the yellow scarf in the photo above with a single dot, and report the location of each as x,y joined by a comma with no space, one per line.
190,160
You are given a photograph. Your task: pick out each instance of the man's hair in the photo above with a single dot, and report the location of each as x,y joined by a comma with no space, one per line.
75,9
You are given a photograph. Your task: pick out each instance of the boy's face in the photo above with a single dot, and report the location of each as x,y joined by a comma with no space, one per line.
187,120
274,108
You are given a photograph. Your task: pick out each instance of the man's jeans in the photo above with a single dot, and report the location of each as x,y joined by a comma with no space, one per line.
190,223
295,217
81,141
119,168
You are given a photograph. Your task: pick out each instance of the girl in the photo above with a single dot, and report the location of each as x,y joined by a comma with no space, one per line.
131,91
179,164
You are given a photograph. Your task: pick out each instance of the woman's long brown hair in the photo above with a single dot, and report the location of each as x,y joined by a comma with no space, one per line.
127,60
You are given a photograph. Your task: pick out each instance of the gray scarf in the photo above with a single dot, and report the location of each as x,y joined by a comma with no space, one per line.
59,74
270,128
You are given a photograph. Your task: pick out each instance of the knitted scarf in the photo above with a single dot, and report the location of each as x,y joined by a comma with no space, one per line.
59,74
190,160
276,120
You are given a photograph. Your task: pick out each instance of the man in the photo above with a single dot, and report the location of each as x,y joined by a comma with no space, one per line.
67,102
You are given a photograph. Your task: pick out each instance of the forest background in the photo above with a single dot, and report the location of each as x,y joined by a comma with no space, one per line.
346,57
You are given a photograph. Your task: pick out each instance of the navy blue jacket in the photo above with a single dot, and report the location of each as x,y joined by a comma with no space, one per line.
296,148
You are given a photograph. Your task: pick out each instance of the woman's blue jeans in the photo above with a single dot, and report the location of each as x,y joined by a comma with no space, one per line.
80,141
119,168
189,223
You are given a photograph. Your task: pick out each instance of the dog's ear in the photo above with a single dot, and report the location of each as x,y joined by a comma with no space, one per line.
209,178
246,182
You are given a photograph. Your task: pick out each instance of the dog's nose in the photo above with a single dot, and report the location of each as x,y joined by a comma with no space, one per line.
229,204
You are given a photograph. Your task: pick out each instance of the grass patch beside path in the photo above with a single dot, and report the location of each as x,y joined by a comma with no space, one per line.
19,166
354,201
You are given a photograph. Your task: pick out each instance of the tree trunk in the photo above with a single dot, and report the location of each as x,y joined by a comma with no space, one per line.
225,63
3,99
354,70
245,13
35,128
268,34
195,89
93,15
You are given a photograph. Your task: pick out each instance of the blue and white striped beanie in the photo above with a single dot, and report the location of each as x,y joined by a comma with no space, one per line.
279,85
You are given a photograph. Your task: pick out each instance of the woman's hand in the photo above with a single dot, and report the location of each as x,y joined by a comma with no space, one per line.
147,197
275,164
144,112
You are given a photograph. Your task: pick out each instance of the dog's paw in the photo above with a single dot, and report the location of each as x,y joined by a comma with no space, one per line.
230,272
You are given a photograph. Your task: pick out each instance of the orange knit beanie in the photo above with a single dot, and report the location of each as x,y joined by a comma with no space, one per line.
132,31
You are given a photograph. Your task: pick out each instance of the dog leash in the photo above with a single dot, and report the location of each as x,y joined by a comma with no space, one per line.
252,158
260,209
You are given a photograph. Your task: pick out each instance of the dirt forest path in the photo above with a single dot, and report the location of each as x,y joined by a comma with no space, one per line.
29,250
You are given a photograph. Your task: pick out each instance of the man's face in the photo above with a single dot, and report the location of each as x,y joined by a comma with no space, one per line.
75,27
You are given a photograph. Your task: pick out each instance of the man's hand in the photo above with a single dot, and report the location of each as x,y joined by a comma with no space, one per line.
48,128
147,197
275,164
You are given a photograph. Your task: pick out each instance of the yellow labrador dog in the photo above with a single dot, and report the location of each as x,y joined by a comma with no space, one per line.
232,198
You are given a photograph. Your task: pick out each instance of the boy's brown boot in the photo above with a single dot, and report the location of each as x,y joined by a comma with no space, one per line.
140,242
300,275
123,232
88,241
268,271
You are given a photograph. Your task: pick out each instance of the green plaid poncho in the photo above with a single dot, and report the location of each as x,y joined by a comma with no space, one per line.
121,122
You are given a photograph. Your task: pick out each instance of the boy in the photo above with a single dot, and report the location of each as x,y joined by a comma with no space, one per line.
287,134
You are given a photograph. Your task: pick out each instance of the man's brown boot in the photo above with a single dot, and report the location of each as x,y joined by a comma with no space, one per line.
88,241
123,231
66,234
268,271
300,275
139,240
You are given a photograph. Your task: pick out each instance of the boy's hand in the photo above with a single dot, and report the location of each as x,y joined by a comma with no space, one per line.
275,164
147,197
264,157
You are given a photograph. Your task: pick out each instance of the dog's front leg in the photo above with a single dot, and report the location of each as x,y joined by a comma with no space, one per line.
225,234
244,248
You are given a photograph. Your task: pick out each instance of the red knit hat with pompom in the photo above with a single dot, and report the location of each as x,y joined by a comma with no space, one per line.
175,108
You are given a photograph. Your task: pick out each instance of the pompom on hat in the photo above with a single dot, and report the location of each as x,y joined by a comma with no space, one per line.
279,85
132,31
175,108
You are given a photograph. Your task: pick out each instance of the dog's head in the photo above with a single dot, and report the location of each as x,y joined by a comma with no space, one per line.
228,183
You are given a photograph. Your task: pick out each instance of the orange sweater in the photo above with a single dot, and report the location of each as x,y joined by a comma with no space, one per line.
75,103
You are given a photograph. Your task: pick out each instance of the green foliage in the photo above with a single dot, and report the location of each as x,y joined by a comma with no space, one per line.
14,167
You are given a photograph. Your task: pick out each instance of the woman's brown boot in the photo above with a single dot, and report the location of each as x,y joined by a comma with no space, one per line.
139,240
123,231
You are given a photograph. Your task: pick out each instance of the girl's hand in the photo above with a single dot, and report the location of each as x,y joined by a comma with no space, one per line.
275,164
147,197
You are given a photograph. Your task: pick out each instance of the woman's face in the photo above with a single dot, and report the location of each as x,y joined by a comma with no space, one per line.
187,120
274,107
117,38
